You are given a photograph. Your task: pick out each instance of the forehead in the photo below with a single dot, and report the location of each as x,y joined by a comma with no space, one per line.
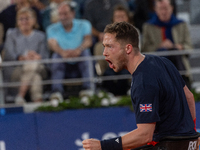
109,38
120,11
24,14
64,8
164,3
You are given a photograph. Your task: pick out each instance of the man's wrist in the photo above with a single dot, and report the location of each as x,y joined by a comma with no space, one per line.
81,48
112,144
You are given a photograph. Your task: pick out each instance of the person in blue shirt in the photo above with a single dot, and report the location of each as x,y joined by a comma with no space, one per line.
162,102
69,38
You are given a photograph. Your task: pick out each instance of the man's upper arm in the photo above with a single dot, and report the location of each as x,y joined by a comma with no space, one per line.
147,128
51,32
190,101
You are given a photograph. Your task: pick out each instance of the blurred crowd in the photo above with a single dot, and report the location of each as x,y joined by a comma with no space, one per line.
32,30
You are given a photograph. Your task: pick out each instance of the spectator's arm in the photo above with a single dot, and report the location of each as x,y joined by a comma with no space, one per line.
53,45
9,47
87,43
187,44
97,34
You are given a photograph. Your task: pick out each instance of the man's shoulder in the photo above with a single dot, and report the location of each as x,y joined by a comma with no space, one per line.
81,21
152,64
149,71
12,32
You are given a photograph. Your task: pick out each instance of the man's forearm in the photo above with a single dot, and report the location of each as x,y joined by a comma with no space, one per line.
53,45
87,43
136,139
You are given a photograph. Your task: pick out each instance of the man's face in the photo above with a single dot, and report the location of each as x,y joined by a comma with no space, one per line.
164,10
114,53
65,15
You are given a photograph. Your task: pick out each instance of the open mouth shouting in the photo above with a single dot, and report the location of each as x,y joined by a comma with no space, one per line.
111,65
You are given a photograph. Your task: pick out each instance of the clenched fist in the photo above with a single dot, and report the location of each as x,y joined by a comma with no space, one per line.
91,144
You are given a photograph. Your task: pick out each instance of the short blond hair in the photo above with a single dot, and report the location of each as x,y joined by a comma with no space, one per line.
29,11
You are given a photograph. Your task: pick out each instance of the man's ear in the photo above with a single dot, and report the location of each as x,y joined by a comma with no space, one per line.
129,48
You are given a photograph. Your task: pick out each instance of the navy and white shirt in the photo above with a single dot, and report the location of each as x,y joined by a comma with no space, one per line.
157,95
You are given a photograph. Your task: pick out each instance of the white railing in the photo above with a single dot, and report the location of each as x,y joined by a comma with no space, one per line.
93,79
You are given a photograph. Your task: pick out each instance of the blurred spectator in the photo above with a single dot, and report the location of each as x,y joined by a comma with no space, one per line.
8,15
69,38
99,13
120,14
144,10
26,43
50,14
165,32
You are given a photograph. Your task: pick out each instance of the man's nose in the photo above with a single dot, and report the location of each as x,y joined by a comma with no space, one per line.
104,52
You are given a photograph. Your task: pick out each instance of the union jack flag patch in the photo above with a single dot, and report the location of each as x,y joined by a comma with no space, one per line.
145,107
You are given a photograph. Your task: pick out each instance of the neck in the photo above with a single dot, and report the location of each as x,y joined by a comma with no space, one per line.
26,32
68,27
136,60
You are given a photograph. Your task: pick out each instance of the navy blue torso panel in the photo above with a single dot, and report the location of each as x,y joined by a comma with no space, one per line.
157,95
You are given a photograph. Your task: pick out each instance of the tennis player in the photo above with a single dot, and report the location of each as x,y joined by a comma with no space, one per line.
164,106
